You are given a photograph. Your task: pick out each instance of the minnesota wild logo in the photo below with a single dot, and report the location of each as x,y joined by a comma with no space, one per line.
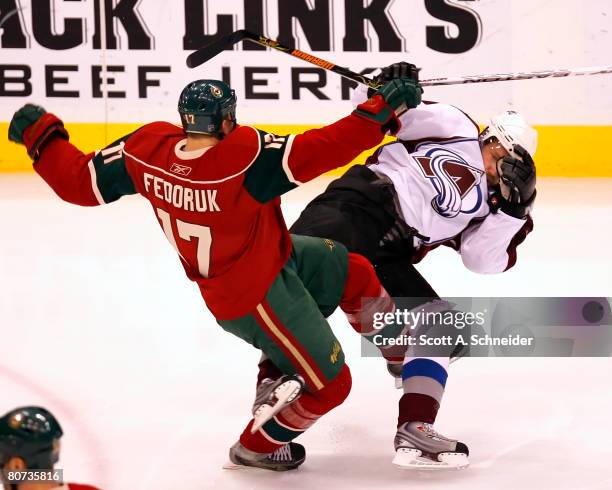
15,421
336,349
216,91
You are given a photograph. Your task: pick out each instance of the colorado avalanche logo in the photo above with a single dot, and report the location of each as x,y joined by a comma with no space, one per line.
453,178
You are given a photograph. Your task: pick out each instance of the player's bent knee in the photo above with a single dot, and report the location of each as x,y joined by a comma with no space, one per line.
361,281
333,393
358,264
337,390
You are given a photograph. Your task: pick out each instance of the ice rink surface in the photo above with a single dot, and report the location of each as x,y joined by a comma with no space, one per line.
100,325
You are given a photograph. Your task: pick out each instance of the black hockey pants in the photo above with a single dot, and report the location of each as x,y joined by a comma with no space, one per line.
358,211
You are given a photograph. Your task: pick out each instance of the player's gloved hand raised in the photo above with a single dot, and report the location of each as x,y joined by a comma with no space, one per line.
389,102
401,94
396,70
517,182
33,127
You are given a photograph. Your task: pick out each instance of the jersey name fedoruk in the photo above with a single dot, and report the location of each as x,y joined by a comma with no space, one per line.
187,198
218,205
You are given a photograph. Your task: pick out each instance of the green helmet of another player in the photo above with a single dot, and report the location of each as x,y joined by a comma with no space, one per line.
31,434
204,104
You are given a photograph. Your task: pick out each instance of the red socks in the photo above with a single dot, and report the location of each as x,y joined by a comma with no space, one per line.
362,282
294,419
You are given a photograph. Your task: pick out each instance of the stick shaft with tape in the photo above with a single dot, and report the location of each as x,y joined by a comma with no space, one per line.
209,51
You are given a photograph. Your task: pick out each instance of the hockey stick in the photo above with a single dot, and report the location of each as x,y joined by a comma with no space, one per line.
503,77
211,50
205,53
208,52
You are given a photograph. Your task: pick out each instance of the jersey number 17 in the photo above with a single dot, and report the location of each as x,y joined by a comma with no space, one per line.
188,231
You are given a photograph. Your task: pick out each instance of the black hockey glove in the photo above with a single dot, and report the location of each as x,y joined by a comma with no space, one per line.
396,70
517,181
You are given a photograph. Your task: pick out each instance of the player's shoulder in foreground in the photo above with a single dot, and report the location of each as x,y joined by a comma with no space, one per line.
158,129
439,120
454,116
245,138
147,139
150,143
236,152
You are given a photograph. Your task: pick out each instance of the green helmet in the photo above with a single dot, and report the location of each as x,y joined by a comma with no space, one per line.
203,105
32,434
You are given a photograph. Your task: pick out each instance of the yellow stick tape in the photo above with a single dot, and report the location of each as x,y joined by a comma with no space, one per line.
563,151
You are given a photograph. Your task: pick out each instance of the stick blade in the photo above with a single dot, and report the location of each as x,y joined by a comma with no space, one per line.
205,53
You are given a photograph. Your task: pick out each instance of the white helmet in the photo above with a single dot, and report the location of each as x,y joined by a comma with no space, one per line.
510,129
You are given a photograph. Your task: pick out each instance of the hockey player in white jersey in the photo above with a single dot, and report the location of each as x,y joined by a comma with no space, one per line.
442,182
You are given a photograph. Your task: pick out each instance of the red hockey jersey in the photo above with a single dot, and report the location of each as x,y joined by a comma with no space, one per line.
218,206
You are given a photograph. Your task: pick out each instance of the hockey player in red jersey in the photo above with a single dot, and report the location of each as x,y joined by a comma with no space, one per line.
29,450
214,187
442,182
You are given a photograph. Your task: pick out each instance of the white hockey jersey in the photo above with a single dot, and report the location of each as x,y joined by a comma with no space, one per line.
437,171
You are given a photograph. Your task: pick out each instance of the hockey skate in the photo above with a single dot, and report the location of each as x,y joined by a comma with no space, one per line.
287,457
419,446
273,395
